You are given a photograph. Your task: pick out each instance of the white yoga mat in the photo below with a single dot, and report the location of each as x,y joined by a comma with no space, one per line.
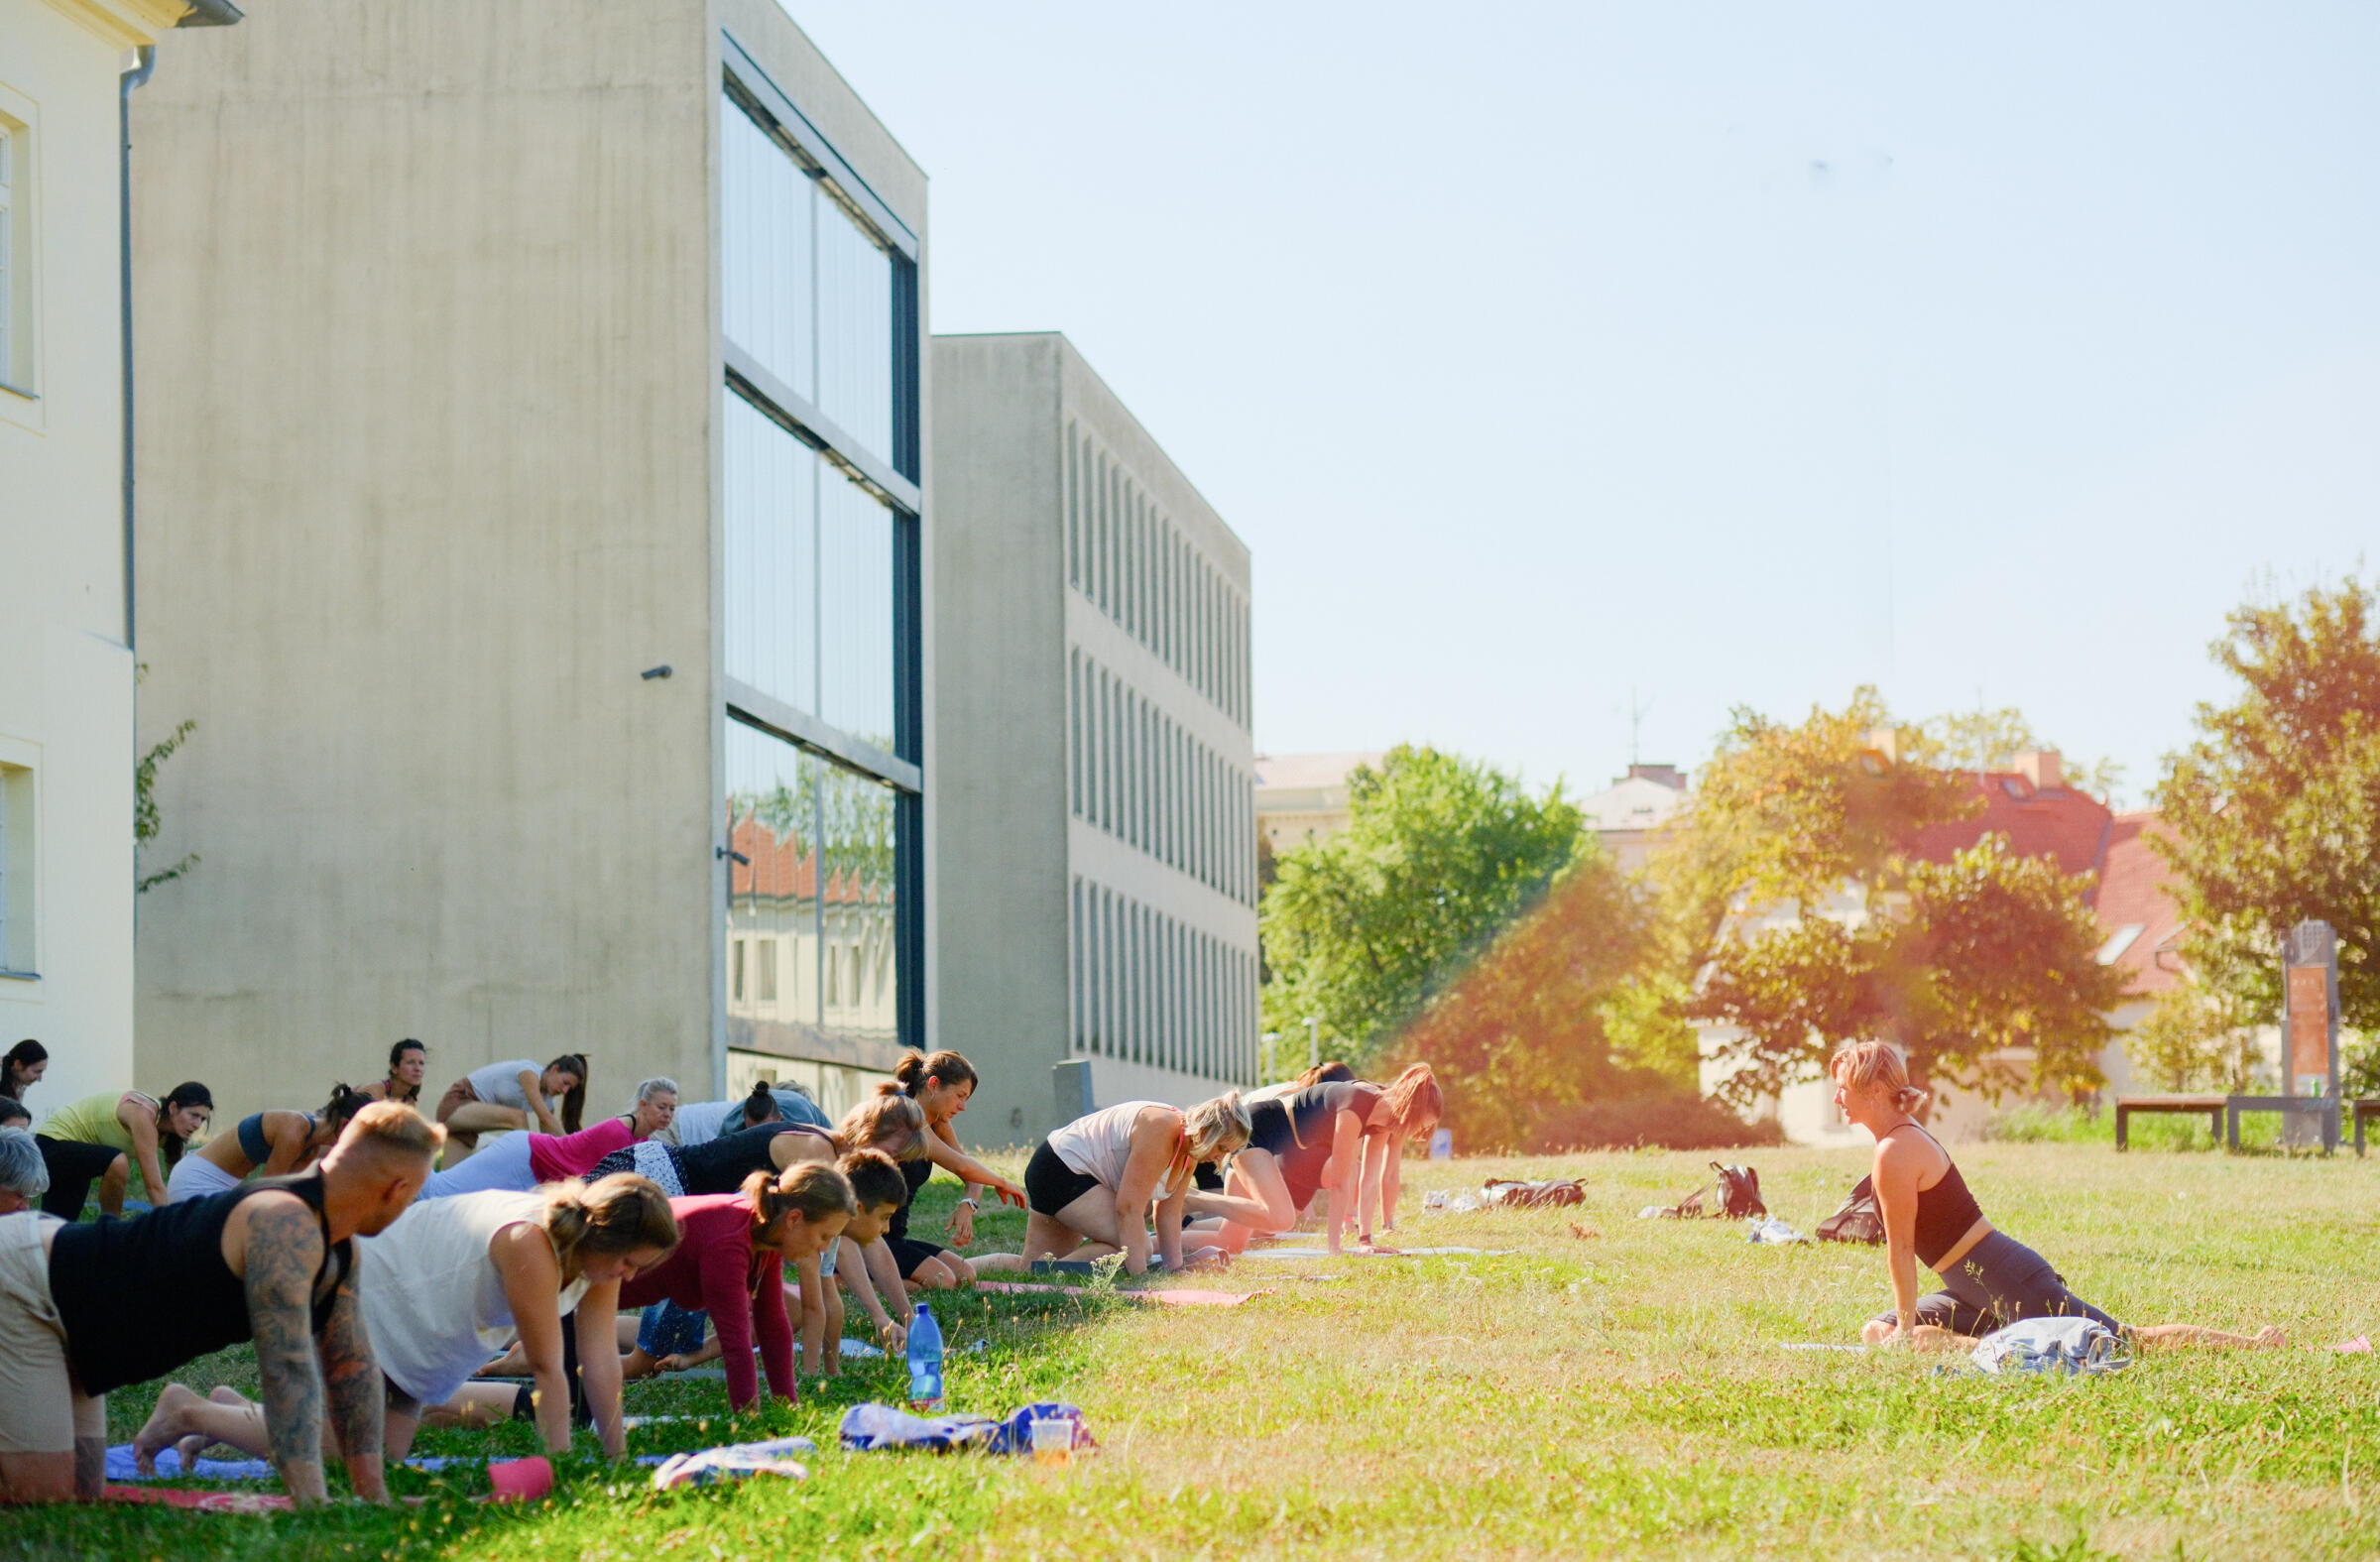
1401,1252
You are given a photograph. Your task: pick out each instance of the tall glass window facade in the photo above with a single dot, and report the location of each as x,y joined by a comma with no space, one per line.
824,802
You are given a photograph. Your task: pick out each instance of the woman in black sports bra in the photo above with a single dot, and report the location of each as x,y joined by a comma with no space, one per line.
1990,1279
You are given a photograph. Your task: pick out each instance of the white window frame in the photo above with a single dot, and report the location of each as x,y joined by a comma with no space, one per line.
20,865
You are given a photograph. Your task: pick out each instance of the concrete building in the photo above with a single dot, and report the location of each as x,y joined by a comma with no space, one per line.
67,629
1302,797
1097,905
1631,816
533,494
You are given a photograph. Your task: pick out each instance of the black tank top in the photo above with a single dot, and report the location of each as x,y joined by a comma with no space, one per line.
141,1296
720,1165
1299,1130
916,1173
1945,1212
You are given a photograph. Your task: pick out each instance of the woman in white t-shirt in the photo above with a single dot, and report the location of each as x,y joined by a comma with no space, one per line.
511,1095
1090,1185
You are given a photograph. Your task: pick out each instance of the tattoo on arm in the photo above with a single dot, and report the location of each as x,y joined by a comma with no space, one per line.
285,1250
351,1379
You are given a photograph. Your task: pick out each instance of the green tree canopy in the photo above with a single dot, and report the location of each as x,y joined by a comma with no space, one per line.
1820,927
2275,808
1440,853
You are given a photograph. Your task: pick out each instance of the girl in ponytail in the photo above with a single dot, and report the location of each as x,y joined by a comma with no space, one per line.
941,1083
729,1267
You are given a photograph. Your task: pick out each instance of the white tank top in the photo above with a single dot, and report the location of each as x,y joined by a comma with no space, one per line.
499,1084
432,1299
1098,1145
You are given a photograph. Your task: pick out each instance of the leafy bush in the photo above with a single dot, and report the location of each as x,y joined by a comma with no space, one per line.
1669,1118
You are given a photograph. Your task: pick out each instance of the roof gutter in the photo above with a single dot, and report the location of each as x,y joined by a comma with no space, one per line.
202,13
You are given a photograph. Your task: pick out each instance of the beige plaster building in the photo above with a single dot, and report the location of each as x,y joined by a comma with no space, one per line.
1302,797
67,629
536,494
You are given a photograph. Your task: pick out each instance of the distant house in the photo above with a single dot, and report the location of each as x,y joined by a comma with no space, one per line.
2040,816
1630,817
1302,797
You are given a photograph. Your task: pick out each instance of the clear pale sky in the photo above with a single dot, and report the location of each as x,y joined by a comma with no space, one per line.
1726,354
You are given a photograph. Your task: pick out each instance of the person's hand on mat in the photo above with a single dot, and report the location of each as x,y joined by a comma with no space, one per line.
1367,1244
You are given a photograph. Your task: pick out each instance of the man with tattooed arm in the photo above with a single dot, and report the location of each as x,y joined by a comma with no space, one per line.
86,1308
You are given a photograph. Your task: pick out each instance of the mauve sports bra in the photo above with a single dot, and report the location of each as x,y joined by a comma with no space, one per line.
1946,1211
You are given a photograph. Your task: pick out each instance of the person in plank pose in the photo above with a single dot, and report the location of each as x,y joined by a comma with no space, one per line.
1090,1185
940,1084
514,1094
730,1264
122,1141
83,1311
1989,1278
454,1280
273,1144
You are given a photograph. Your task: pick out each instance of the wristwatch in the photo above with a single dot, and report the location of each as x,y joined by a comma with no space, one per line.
972,1202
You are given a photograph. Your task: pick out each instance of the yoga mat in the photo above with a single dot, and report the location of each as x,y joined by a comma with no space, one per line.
1820,1345
122,1466
200,1501
1400,1253
1180,1298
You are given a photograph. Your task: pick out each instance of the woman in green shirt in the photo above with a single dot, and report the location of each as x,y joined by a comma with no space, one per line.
147,1134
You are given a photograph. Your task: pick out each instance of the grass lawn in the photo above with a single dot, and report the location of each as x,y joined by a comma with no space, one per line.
1613,1386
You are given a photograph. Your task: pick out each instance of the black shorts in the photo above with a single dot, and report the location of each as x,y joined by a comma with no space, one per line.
908,1253
74,1166
1050,1184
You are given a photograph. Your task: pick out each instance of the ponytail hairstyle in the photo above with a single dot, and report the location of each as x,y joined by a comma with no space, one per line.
805,1188
1860,1063
574,1100
1415,1098
1327,1073
890,1120
617,1214
396,1056
1216,1127
189,1093
18,1064
947,1068
760,1106
874,1181
342,1107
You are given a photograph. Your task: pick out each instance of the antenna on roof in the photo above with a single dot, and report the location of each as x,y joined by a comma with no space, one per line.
1636,715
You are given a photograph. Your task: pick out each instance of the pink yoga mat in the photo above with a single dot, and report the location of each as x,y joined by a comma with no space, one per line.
201,1501
1186,1298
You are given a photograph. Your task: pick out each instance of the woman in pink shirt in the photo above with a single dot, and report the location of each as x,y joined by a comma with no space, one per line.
730,1263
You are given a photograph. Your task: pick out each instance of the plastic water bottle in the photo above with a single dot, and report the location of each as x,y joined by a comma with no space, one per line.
925,1363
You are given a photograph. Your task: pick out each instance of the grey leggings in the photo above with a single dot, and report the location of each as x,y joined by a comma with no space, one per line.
2000,1281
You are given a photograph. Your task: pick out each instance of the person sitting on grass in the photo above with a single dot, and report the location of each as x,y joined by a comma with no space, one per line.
409,1064
1989,1278
514,1094
87,1308
115,1138
730,1264
1090,1185
271,1143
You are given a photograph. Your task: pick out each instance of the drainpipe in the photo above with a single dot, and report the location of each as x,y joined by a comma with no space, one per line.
132,78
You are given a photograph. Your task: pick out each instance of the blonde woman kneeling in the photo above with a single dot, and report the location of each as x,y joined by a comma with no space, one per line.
1090,1185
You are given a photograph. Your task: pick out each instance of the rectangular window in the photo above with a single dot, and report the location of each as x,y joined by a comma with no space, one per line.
771,563
1098,493
855,609
763,952
9,141
17,952
1074,514
1074,948
1074,731
773,902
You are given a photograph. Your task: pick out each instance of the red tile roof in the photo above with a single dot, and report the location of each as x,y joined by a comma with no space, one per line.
2083,835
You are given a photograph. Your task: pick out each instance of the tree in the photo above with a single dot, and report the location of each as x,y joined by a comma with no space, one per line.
2275,808
1360,929
1527,1031
1824,930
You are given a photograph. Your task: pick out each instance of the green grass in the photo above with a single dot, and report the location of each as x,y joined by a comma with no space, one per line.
1616,1394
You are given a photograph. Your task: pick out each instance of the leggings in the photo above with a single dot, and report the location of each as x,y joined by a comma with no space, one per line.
2001,1281
500,1162
74,1166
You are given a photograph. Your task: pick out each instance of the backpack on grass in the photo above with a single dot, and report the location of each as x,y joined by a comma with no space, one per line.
1859,1219
1736,1194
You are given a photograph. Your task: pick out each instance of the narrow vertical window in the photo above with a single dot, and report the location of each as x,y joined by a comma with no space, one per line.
1074,952
1074,515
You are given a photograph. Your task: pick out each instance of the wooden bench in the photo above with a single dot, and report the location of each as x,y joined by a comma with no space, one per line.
2208,1107
2365,1109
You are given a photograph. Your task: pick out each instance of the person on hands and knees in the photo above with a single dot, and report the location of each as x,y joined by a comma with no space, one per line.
271,1261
